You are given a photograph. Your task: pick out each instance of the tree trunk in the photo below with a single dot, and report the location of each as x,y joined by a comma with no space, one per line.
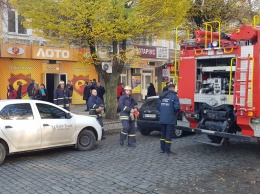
110,79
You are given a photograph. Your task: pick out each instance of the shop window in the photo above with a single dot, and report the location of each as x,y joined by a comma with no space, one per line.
15,23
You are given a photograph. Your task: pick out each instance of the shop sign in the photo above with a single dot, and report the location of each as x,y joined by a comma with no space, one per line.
147,51
139,64
15,51
50,53
162,53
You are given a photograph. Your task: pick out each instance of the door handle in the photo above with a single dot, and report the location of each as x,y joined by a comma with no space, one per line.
8,127
46,125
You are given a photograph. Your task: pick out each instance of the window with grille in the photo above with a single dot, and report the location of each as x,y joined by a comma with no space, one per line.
15,23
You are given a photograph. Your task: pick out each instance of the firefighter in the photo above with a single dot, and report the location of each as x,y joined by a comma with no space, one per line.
96,106
168,105
127,106
62,96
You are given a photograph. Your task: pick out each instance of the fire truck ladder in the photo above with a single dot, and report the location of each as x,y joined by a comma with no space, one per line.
243,83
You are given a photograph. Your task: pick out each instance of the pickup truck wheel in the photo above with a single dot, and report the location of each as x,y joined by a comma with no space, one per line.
2,153
86,140
177,133
145,132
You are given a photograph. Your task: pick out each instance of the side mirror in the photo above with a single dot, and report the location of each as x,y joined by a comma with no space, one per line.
68,115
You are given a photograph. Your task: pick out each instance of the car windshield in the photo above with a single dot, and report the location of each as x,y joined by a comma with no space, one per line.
150,103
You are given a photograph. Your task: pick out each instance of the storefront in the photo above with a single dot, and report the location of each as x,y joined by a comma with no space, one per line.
19,64
145,70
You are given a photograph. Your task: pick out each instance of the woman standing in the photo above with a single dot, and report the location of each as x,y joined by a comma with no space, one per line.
44,93
36,92
11,92
151,90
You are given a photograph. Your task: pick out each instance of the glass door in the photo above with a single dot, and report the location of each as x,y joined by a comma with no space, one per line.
146,80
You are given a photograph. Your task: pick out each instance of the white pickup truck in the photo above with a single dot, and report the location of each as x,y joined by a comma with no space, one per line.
27,125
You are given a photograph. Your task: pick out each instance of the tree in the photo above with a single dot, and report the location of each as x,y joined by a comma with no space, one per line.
230,13
99,22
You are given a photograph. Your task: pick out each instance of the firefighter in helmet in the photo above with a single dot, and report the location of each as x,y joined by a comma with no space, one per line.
169,106
128,107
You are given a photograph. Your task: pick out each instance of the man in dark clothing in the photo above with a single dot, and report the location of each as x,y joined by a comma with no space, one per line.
151,90
70,87
166,87
100,91
168,105
19,91
86,94
62,96
30,89
96,106
127,106
94,84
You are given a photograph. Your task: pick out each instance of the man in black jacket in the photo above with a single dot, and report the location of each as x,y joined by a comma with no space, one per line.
100,91
86,94
30,89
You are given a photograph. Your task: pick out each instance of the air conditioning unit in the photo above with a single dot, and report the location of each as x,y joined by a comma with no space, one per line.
107,66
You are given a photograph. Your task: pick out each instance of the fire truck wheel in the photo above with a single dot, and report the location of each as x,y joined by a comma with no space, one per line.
215,139
177,133
144,131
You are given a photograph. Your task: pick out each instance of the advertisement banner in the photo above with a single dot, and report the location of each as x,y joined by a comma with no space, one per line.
136,84
139,64
146,51
19,71
16,51
52,53
78,74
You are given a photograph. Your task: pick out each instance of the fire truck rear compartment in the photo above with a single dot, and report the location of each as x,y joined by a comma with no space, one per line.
213,97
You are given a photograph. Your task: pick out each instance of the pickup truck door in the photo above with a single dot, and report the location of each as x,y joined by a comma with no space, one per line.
20,126
57,129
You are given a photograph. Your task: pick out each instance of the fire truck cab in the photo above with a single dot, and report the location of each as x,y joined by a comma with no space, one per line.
219,83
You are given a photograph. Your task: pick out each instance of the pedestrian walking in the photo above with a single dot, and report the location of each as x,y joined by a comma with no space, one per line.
100,91
70,87
151,90
30,88
62,96
11,92
127,106
44,93
96,106
168,105
86,94
19,90
36,92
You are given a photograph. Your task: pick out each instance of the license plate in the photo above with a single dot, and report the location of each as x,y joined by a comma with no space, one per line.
149,115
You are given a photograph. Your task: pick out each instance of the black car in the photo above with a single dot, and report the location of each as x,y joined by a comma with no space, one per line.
148,120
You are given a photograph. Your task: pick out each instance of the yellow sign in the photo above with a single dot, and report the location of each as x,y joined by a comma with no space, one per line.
136,84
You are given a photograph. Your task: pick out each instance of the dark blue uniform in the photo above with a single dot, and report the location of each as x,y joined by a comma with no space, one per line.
168,105
62,98
94,102
126,104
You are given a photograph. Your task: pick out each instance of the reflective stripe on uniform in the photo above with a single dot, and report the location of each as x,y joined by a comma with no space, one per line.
95,116
125,108
94,105
124,133
60,105
162,139
124,118
60,98
67,105
132,135
168,142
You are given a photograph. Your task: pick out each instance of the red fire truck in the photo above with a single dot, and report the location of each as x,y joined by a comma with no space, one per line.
219,84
